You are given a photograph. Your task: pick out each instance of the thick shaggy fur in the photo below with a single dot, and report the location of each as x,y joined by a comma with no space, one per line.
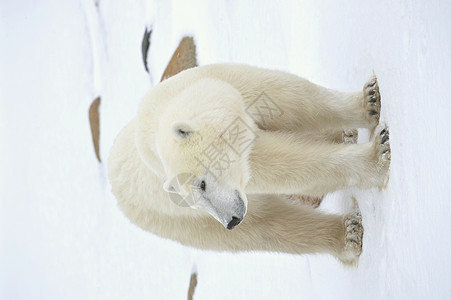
293,152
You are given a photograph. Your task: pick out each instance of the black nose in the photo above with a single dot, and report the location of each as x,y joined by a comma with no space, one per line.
235,221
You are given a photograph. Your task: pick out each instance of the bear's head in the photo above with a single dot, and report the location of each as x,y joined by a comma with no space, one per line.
203,140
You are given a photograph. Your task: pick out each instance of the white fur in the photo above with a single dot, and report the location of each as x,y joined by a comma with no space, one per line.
291,152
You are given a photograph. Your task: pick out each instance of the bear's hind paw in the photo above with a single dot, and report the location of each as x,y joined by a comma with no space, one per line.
353,238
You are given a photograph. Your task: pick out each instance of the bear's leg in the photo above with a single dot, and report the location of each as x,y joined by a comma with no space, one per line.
333,136
273,224
360,109
293,104
283,164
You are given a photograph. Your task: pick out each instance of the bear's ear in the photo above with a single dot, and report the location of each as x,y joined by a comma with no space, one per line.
167,186
181,130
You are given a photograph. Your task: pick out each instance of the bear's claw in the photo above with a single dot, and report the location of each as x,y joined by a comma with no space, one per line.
371,83
383,154
372,101
385,144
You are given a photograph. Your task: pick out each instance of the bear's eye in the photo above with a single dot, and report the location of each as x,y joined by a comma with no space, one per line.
203,185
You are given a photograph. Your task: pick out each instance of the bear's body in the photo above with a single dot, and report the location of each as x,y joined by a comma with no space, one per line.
272,133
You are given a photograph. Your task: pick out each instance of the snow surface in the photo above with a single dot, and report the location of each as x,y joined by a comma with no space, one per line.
62,235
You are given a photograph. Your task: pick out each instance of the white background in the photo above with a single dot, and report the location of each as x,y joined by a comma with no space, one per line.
62,235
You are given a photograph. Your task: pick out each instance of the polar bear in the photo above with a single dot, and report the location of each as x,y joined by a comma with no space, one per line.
212,150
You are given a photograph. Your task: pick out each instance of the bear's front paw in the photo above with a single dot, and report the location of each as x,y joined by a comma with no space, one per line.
372,101
383,155
353,238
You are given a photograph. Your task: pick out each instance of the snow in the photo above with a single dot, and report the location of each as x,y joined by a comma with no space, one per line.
62,235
